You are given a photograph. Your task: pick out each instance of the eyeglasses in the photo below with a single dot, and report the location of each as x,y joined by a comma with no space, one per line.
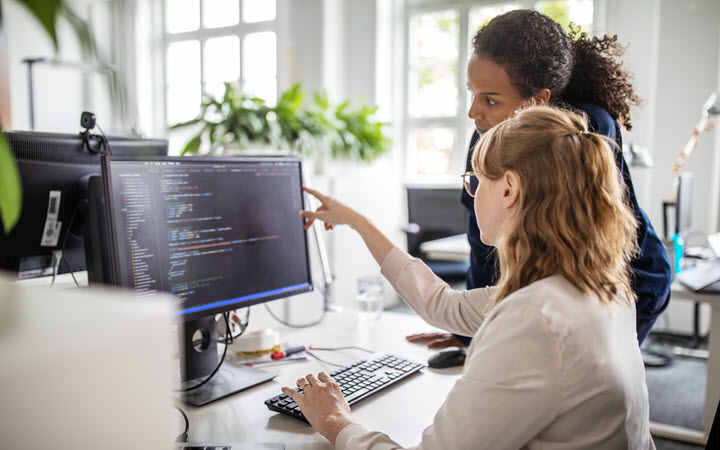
470,181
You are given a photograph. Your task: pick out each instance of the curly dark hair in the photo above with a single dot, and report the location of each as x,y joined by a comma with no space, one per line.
537,53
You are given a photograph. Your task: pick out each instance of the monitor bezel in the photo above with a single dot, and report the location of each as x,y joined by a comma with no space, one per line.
114,242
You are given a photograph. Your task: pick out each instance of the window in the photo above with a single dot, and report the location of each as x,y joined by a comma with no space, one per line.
435,126
211,42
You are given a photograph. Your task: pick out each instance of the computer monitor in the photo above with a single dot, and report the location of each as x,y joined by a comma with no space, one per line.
683,204
217,233
54,171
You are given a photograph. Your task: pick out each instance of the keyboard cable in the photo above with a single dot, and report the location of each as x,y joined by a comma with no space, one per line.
184,436
334,349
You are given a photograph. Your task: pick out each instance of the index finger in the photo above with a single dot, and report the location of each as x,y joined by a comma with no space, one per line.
314,193
293,394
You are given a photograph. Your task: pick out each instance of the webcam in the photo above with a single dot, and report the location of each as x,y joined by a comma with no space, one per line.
92,143
87,120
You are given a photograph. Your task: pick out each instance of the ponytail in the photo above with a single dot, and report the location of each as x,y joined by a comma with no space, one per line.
598,76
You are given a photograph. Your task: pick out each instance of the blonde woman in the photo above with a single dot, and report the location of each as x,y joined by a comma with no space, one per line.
550,365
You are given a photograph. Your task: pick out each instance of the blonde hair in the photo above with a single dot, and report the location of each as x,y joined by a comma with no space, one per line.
572,218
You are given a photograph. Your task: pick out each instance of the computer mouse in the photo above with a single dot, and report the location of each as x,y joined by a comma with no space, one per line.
450,357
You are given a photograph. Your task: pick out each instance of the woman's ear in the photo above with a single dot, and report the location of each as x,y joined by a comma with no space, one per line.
511,189
542,97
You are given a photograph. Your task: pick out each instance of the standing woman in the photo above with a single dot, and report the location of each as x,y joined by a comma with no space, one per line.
549,365
522,57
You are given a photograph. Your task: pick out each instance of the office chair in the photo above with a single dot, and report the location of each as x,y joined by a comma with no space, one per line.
435,213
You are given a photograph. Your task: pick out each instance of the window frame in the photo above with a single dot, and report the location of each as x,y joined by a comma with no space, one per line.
241,30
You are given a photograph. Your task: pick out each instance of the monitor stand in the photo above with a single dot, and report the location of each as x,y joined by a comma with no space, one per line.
199,357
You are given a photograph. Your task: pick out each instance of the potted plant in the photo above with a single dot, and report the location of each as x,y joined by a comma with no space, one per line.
316,128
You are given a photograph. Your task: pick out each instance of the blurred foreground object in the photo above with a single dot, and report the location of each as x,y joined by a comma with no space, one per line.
83,369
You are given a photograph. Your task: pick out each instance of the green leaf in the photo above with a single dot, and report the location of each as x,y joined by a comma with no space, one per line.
82,32
193,146
186,124
45,11
10,187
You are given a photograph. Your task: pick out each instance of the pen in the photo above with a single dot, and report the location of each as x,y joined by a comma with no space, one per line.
290,351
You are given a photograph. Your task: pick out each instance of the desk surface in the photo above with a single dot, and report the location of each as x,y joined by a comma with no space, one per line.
453,248
401,411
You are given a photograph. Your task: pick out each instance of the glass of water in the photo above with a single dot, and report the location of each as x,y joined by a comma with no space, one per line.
370,296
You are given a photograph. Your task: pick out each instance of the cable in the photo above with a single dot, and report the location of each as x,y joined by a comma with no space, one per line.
72,272
243,326
56,257
227,328
105,139
64,244
184,436
351,347
288,324
342,348
322,360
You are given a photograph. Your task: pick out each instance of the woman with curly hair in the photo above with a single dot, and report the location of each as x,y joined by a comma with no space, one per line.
523,57
549,365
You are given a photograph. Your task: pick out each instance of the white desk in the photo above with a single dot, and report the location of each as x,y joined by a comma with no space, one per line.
712,394
401,411
453,248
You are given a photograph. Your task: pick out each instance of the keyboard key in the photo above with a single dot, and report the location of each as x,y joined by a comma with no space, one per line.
356,395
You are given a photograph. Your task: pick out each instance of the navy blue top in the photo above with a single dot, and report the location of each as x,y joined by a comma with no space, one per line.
652,273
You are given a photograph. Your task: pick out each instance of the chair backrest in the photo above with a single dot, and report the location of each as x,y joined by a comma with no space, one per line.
438,214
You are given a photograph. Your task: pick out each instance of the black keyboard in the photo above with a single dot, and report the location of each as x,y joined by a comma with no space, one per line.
358,381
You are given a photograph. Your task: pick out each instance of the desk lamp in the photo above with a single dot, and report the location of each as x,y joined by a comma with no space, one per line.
708,120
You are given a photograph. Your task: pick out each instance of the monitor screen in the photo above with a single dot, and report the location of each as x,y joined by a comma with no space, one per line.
55,170
218,234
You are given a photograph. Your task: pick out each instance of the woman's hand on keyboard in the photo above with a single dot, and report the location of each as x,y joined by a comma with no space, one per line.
323,404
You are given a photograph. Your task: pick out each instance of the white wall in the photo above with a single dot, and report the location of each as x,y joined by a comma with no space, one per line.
60,94
673,50
333,45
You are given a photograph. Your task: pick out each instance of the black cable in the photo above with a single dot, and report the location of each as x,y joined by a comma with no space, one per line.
105,139
184,436
227,328
243,326
64,245
72,272
288,324
225,340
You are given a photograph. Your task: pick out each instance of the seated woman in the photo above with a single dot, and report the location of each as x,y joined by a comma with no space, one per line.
551,363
